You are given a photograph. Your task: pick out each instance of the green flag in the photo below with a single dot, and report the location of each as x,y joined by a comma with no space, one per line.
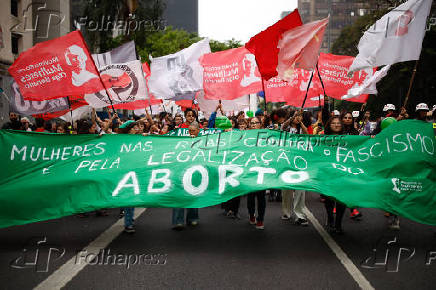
46,176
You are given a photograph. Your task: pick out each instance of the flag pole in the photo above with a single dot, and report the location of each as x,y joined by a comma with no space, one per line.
264,94
71,111
411,83
307,90
322,84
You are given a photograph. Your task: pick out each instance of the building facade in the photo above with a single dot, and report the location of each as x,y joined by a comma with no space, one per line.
342,13
24,23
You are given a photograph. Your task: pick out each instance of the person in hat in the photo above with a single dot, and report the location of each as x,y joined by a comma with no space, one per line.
25,124
421,112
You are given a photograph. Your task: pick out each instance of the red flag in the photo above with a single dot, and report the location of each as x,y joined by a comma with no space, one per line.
264,44
230,74
333,70
299,48
54,68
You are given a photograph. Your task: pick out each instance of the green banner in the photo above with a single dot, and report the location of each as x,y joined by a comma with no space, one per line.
46,176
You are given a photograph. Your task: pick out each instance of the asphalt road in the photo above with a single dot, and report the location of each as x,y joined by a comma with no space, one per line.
219,253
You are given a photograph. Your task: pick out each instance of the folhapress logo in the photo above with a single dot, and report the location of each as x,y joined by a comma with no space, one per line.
387,254
37,254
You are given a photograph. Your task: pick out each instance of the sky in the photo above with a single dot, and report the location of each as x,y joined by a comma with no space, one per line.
239,19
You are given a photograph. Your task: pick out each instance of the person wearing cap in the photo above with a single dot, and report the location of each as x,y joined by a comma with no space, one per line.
25,124
192,218
421,112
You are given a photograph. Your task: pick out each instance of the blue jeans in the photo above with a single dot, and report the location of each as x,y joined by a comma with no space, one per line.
128,216
179,215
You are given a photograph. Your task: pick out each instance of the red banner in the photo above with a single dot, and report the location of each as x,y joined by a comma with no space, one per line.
230,74
293,92
333,70
54,68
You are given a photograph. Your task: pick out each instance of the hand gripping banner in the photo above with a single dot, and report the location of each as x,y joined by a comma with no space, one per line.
46,176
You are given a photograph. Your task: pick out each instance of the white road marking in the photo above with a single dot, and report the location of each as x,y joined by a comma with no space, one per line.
71,268
342,256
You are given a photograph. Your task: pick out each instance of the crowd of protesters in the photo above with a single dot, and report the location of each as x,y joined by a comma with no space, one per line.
285,118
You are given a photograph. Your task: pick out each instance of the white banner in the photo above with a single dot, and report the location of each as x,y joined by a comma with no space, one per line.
125,83
178,74
395,37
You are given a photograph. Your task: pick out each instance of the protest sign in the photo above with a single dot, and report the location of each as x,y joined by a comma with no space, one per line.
53,175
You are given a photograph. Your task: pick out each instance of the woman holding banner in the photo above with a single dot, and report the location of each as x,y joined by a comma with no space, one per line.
295,126
334,223
349,129
129,127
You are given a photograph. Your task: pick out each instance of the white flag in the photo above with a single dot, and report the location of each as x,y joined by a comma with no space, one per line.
125,83
395,37
178,74
235,105
368,86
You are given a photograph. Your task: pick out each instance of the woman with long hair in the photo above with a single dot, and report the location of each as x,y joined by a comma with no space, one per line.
348,123
334,223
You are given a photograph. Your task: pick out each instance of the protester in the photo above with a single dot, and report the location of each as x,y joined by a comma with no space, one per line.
129,127
190,116
259,195
334,222
192,217
25,124
421,112
294,125
13,123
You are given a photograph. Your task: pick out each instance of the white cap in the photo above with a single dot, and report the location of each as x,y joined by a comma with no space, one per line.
388,107
25,119
355,114
336,113
422,107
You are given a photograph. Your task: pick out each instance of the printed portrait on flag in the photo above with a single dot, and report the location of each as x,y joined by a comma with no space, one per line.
76,58
230,74
55,68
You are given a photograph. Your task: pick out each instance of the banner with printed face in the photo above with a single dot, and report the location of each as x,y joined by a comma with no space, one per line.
293,92
333,70
230,74
178,75
125,83
54,68
68,174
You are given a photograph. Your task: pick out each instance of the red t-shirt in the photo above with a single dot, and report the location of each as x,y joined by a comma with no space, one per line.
186,125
